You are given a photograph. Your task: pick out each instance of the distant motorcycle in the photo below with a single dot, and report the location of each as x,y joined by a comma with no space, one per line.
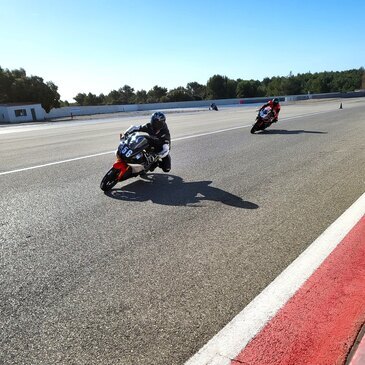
213,106
135,156
264,120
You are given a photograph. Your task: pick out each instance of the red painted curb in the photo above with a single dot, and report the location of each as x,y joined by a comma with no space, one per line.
319,324
359,355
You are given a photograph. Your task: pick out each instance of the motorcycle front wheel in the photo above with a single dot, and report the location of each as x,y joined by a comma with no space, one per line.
110,179
255,127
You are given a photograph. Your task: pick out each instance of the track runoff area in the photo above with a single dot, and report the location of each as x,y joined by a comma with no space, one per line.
311,313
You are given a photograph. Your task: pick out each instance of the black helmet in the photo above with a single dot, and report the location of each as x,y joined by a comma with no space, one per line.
158,121
275,101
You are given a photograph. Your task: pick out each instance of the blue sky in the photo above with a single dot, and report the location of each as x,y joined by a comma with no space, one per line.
97,46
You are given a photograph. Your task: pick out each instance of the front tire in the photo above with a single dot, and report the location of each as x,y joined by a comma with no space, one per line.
110,179
256,127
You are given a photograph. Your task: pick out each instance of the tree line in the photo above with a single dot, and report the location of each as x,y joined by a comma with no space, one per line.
16,86
222,87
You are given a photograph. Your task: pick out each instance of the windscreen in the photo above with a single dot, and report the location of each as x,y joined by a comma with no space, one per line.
137,141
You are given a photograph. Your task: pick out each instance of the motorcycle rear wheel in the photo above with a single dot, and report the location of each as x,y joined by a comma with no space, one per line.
110,179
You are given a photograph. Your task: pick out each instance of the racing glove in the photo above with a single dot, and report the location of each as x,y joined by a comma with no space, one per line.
165,151
132,128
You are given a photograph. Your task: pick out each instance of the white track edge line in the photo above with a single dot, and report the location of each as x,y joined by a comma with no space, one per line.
235,336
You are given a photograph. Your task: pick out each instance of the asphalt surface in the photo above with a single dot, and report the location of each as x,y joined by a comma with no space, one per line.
150,272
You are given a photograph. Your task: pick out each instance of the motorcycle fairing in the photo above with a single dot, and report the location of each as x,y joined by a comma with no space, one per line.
122,166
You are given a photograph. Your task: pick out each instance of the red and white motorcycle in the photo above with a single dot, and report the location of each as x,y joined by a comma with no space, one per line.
264,119
135,156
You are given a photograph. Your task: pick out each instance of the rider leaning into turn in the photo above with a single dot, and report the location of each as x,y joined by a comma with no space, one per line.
274,104
157,128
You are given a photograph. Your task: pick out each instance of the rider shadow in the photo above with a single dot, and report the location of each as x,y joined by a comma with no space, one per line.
284,131
172,190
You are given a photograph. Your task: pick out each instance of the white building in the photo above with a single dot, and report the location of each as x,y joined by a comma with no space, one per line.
21,112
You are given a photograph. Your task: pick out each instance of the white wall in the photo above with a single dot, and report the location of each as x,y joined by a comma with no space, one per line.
104,109
89,110
4,117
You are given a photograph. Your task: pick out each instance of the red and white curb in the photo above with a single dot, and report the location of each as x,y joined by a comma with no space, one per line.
310,314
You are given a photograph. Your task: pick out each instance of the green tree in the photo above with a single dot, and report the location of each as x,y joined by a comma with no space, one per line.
50,96
156,94
231,87
141,97
275,86
220,87
216,87
291,86
248,89
126,95
179,94
196,91
102,99
64,103
113,97
16,86
91,99
6,80
80,98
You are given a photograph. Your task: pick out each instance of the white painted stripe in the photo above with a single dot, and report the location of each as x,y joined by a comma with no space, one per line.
55,163
235,336
209,133
108,152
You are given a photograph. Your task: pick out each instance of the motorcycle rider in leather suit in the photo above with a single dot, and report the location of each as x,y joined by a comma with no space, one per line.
157,128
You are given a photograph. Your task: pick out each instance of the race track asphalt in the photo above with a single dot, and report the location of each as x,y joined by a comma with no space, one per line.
148,273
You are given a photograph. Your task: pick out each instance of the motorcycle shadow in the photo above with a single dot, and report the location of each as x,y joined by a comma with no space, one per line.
172,190
285,131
